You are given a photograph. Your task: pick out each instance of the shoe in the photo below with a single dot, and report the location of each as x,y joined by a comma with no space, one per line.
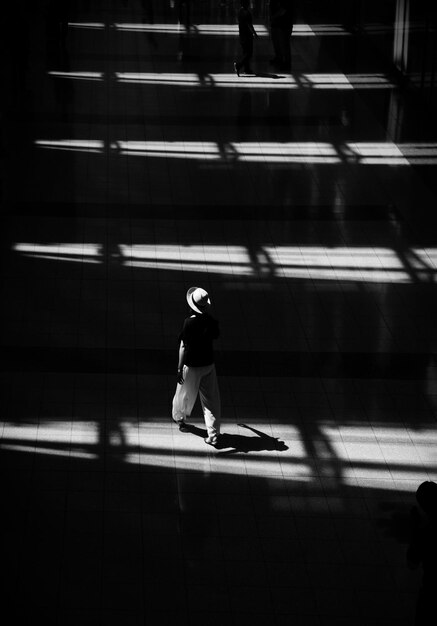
236,69
183,427
211,441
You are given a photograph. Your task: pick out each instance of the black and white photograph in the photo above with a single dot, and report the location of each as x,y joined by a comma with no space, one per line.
218,289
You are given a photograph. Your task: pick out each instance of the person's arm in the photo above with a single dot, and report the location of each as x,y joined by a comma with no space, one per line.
180,378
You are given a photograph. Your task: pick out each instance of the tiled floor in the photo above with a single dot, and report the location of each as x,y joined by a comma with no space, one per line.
138,165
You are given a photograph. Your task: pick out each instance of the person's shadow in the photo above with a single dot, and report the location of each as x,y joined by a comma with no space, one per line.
242,443
263,75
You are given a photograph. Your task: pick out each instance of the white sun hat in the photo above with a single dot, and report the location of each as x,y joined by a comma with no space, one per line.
198,299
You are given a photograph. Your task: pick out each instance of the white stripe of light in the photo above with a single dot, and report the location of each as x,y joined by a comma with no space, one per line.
73,145
276,81
87,25
299,30
96,76
311,152
362,264
79,249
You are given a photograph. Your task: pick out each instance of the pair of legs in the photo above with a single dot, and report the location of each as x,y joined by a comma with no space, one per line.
281,40
244,62
202,381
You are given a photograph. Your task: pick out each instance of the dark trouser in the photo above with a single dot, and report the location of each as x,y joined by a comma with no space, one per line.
275,34
247,46
281,40
286,45
185,5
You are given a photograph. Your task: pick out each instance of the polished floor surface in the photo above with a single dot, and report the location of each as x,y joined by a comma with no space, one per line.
138,164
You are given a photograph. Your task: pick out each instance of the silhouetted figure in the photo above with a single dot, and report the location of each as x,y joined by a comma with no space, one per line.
196,369
423,550
281,26
241,443
184,12
246,33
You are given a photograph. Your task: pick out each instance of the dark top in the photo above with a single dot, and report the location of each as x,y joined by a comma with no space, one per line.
198,333
245,24
281,13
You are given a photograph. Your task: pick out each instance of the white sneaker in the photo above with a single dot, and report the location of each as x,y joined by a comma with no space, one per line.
182,425
211,440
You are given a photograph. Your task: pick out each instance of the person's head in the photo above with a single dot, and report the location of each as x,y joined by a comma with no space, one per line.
426,496
245,4
198,299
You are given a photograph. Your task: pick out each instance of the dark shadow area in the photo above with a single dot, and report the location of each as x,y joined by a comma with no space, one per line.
57,16
270,75
85,539
242,443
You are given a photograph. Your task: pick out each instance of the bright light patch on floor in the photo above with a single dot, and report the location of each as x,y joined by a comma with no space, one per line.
420,153
29,432
363,153
354,153
321,29
87,25
213,259
299,30
198,150
95,76
88,249
218,30
292,262
262,81
253,152
73,252
355,453
71,145
375,153
323,81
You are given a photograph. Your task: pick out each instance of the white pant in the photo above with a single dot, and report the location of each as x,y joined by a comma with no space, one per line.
202,381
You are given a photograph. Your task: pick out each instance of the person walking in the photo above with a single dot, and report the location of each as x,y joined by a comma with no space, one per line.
196,369
422,550
246,34
281,28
